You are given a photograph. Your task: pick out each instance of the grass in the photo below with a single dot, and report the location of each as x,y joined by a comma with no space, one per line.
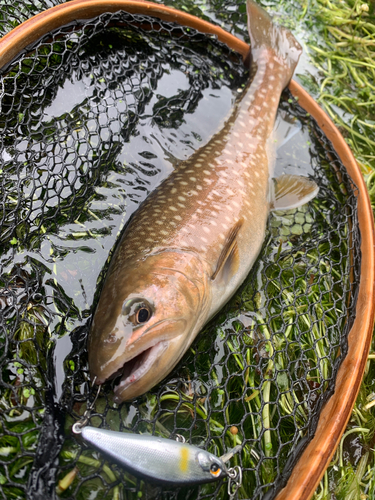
344,54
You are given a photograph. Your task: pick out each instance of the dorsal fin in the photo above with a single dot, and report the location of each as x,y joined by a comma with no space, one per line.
229,257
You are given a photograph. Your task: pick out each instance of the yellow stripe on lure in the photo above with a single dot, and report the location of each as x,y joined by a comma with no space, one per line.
195,238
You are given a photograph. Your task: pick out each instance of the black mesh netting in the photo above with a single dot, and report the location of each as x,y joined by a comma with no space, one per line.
93,118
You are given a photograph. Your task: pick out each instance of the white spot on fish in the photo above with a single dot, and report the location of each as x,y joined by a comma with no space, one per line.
173,208
206,230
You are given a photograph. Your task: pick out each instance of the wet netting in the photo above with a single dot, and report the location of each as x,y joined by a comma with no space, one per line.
93,117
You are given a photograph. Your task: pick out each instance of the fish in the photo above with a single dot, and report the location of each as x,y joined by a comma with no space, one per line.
157,459
193,241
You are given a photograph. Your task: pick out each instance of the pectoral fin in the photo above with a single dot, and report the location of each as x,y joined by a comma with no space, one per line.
228,261
291,191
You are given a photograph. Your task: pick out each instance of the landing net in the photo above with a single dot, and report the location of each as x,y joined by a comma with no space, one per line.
93,117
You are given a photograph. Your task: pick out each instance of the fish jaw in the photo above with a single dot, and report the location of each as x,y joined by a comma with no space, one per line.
142,355
156,363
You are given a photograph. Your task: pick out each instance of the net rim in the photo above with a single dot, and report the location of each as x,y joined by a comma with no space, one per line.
312,463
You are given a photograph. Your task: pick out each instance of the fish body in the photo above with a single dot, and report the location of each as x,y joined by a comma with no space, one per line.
157,459
195,238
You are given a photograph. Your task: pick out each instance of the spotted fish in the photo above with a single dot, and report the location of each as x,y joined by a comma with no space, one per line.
195,238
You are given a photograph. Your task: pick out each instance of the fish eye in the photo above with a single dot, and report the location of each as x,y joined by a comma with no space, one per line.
143,315
215,470
137,310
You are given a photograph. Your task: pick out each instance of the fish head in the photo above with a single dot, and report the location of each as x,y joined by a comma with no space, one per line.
147,316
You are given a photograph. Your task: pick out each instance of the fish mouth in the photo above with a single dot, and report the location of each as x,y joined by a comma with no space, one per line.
135,368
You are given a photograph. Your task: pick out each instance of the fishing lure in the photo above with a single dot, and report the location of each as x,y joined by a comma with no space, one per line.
160,460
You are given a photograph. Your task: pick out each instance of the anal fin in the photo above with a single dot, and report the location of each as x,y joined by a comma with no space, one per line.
228,261
292,191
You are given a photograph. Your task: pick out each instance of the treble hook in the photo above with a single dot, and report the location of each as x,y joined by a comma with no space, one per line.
234,481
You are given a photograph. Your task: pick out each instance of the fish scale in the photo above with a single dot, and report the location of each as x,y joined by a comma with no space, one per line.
195,238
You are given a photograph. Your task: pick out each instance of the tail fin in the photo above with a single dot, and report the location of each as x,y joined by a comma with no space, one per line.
264,35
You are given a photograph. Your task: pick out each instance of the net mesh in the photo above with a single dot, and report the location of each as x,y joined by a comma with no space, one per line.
92,119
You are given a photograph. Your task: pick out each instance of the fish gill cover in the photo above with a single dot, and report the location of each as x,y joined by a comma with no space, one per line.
92,119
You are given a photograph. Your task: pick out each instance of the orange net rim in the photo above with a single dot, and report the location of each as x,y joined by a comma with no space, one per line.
310,468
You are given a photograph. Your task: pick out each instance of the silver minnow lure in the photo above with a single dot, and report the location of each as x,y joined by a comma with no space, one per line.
157,459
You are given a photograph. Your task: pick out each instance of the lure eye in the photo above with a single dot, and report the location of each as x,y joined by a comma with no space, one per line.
143,315
215,470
